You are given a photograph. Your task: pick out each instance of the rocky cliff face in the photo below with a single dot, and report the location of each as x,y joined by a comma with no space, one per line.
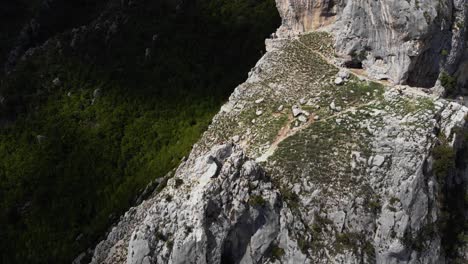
403,41
309,162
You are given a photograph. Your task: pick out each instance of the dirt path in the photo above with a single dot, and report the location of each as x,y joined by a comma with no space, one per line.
362,74
286,131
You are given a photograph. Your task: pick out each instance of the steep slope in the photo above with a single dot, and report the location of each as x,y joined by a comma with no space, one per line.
340,169
103,98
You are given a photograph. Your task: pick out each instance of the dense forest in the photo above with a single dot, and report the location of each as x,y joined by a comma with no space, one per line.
106,97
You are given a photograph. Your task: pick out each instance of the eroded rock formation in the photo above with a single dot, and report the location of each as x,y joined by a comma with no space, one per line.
309,162
404,41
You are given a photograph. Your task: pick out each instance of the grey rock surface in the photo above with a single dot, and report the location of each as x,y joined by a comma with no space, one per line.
345,174
226,210
355,186
404,41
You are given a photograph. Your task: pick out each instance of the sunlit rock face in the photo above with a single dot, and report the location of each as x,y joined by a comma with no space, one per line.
403,41
311,162
305,15
309,170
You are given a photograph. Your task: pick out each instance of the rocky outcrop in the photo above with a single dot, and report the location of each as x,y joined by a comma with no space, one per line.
310,162
404,41
309,171
300,16
220,208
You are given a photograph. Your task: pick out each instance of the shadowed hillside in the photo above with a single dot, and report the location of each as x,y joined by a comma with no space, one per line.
111,97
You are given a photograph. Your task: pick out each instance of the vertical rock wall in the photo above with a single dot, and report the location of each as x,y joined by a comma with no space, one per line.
408,42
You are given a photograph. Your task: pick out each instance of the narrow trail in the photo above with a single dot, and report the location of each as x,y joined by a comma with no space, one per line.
286,131
361,73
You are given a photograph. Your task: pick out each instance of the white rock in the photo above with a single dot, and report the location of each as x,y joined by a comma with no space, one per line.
344,74
339,81
378,160
57,82
302,118
296,110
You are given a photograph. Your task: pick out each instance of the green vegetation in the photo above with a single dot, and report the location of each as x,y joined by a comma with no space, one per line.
449,82
291,198
355,242
374,206
451,223
319,41
75,155
256,200
444,161
277,253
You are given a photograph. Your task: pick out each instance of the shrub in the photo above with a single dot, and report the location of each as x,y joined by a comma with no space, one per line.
448,82
277,252
257,200
374,206
444,161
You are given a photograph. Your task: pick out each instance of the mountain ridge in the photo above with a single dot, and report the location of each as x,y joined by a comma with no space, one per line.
360,171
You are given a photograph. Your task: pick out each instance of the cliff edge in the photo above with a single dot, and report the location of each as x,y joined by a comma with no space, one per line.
311,162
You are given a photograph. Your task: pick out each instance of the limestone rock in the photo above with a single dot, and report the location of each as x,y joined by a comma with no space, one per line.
236,215
339,81
296,110
302,118
357,185
403,41
349,187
